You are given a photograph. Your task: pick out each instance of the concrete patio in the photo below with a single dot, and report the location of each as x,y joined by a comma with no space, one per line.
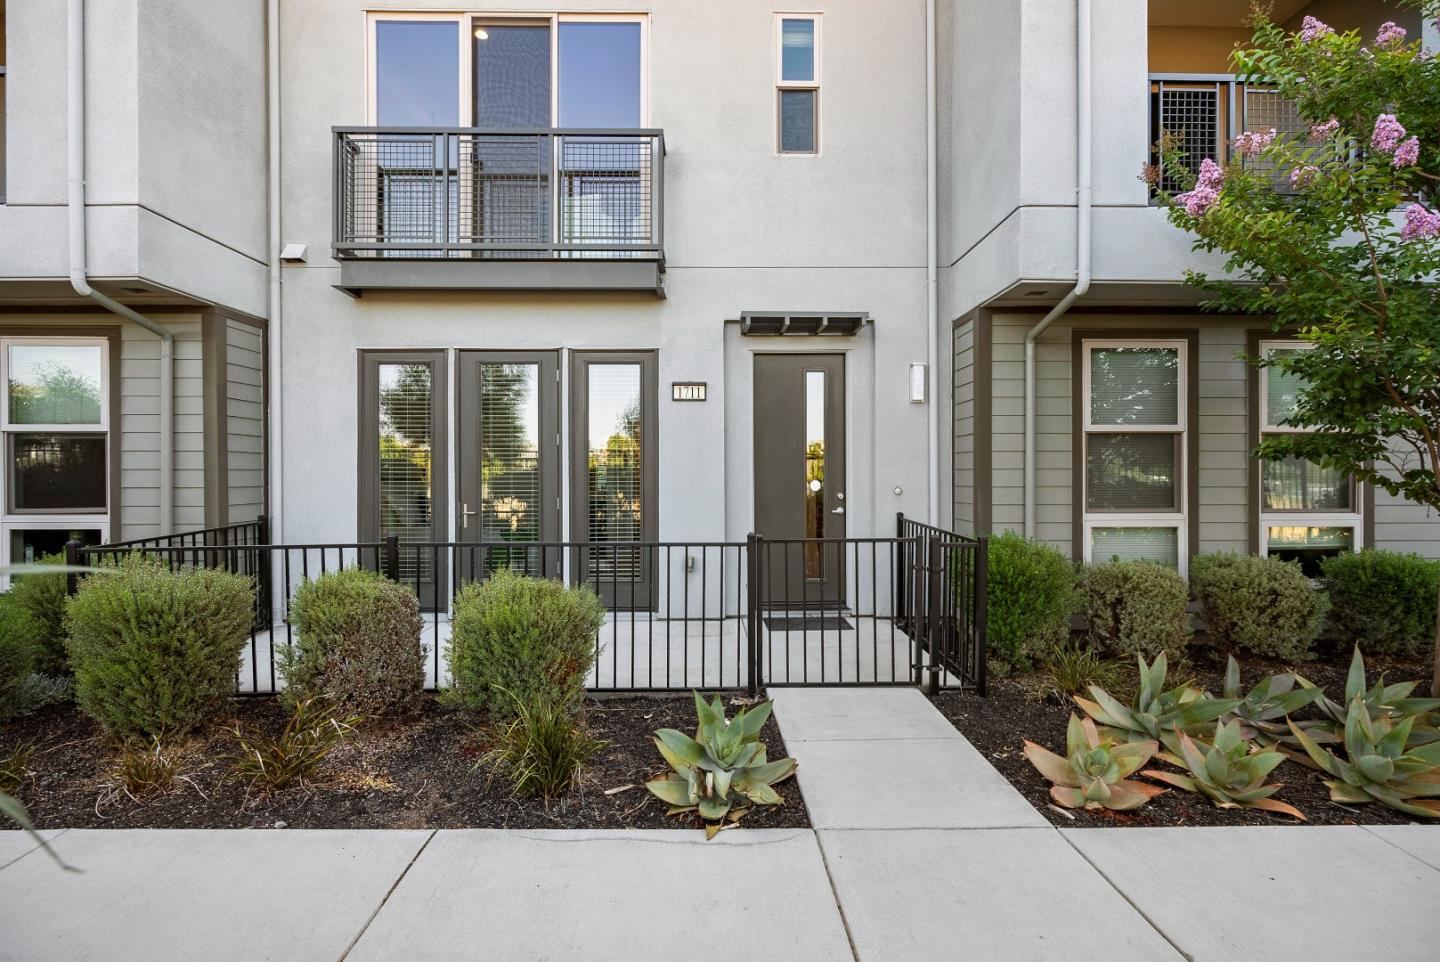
919,850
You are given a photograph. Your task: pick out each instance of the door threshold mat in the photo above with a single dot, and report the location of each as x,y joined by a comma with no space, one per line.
808,623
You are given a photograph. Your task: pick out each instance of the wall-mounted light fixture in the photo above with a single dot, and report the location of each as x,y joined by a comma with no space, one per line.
917,383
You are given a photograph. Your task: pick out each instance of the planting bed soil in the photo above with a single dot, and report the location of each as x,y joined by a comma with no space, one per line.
998,725
398,774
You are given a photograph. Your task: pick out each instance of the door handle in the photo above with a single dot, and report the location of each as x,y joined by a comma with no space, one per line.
839,510
465,515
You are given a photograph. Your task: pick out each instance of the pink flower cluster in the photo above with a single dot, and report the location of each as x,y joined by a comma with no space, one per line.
1407,154
1312,29
1326,130
1420,223
1251,142
1387,133
1303,175
1206,193
1391,34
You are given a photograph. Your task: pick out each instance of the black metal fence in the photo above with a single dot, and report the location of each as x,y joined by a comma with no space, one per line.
900,610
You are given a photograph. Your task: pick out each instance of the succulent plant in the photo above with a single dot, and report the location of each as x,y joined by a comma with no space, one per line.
1382,763
1381,701
722,771
1095,772
1156,714
1264,709
1228,772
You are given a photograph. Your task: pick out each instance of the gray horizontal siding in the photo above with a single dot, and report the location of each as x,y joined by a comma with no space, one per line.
244,422
139,430
963,447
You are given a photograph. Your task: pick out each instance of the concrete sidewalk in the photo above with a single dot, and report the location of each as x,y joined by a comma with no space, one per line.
920,851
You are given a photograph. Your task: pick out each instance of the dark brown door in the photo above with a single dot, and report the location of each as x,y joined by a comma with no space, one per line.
509,446
800,476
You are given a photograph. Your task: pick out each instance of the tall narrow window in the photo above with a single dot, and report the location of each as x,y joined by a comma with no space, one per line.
814,471
1307,511
614,482
797,70
1134,437
55,422
402,475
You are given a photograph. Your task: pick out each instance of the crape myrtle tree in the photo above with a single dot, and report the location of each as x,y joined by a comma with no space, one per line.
1334,235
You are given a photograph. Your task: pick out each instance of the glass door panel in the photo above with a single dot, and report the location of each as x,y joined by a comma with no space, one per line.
508,452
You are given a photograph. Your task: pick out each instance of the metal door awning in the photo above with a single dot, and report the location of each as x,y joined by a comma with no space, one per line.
778,323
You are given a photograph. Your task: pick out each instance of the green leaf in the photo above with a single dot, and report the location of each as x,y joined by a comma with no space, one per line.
679,749
671,790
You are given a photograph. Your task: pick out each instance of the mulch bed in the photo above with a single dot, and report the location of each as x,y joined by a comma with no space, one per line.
998,724
413,774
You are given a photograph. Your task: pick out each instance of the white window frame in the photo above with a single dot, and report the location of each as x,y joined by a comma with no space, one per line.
1179,519
781,84
50,521
1354,519
465,19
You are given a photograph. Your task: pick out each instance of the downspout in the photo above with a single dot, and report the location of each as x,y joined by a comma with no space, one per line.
1082,247
272,335
79,279
932,273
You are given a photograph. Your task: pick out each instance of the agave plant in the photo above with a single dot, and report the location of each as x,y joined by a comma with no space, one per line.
1381,701
1262,710
1382,763
1156,714
1228,772
722,771
1095,772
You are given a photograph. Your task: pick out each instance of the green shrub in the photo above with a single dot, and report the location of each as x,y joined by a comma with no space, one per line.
357,645
43,596
543,749
531,637
1032,595
156,651
1136,607
1262,605
19,644
1383,600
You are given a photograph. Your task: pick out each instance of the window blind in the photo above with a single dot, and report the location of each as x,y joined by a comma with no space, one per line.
1131,472
406,460
1135,385
614,471
1161,545
1299,485
1282,390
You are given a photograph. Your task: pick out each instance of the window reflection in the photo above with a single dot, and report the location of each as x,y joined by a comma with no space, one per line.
814,471
54,384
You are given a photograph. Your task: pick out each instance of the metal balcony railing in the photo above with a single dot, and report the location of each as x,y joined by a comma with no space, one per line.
1207,111
464,192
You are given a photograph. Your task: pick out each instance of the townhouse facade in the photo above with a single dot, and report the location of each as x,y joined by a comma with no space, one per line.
669,271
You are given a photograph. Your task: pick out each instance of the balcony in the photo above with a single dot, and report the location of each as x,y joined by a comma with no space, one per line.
1207,111
464,208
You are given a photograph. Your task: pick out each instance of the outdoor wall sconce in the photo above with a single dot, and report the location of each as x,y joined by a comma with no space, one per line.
917,383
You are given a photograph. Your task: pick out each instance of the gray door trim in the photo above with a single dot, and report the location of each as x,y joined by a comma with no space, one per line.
645,595
367,474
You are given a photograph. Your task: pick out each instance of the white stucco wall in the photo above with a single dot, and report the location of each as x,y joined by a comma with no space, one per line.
745,230
175,146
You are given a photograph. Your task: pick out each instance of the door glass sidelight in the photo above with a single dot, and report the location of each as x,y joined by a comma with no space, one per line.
508,440
614,478
814,471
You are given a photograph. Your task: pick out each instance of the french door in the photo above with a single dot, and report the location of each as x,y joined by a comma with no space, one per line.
508,441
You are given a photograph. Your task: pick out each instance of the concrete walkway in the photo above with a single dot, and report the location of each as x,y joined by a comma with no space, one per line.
920,851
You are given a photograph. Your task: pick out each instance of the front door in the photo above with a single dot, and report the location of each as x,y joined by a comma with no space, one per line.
800,475
509,447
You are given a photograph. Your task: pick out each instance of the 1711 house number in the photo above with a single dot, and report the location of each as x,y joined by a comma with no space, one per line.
687,390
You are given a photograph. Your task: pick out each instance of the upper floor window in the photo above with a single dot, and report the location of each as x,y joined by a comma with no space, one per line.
797,83
561,70
1307,512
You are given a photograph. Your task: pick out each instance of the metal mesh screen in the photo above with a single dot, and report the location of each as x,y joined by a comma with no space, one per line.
495,194
1266,109
1193,114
